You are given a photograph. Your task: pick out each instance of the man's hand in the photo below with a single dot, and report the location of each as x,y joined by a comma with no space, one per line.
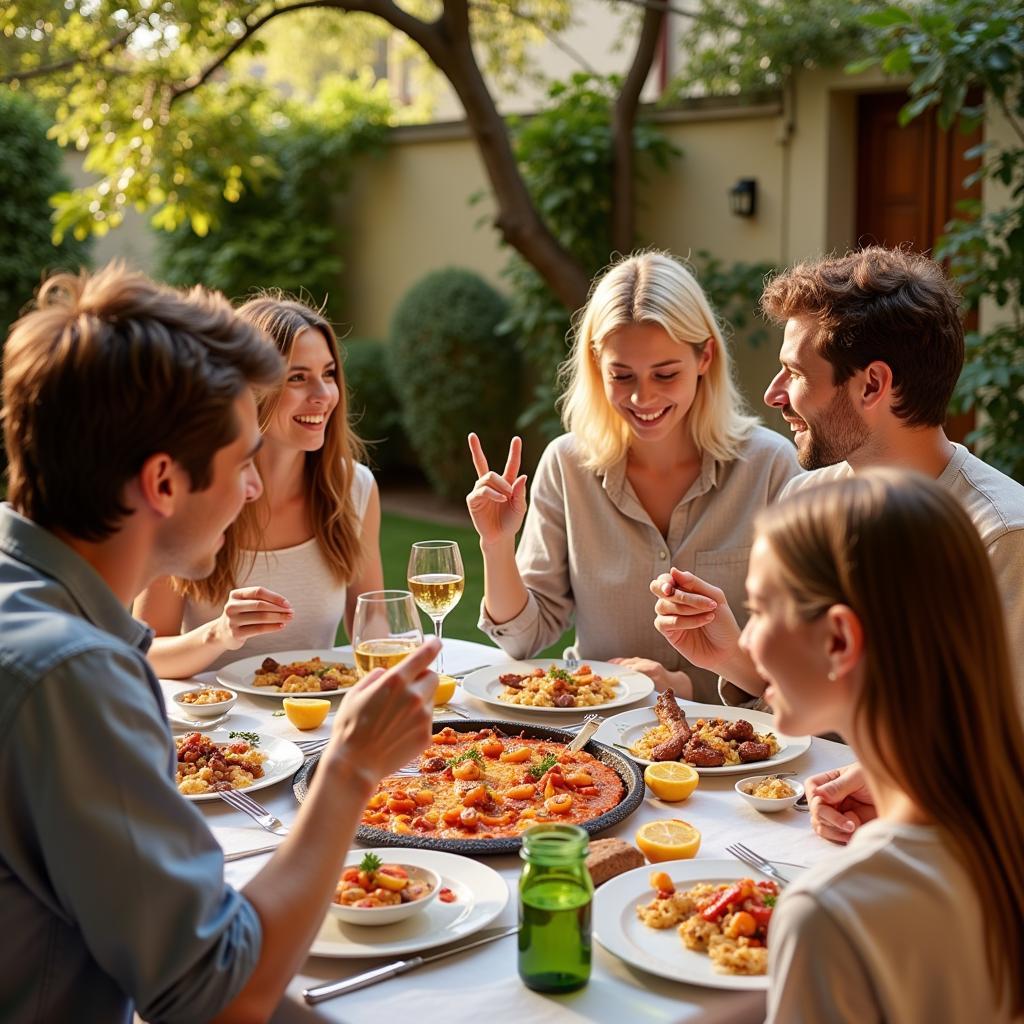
662,677
695,618
840,802
385,719
249,612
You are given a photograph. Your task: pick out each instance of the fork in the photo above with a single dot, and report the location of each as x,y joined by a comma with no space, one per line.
311,747
241,802
412,768
755,860
571,659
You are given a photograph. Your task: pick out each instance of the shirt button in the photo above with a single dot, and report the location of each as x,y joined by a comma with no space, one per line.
663,554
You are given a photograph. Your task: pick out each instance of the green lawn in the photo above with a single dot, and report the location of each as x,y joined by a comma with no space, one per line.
397,535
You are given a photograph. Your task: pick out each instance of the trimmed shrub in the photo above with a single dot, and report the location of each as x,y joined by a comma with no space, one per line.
453,374
373,406
30,172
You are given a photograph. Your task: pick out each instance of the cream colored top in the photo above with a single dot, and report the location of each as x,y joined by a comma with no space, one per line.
995,504
889,929
300,574
589,550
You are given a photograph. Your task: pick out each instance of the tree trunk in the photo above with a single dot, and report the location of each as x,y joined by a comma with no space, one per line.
623,122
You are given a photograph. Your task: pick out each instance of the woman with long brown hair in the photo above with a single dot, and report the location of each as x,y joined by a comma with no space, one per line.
295,560
874,613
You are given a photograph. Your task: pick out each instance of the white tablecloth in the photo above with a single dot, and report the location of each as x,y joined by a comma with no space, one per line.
483,985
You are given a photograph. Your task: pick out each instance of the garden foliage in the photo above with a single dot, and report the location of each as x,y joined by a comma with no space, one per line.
280,230
30,173
453,373
373,405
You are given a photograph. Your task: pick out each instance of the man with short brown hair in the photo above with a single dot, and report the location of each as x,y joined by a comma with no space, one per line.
131,430
872,350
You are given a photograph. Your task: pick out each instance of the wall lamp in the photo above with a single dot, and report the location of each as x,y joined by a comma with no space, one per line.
743,197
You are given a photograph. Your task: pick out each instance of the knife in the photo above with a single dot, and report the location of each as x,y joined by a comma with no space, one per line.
319,993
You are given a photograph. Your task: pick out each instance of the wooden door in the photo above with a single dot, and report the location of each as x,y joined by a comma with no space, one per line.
909,180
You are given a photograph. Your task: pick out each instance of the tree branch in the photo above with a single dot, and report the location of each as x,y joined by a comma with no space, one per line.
385,9
623,122
63,65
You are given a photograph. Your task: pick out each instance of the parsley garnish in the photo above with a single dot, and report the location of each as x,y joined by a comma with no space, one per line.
559,673
252,738
277,714
769,899
370,863
471,754
547,764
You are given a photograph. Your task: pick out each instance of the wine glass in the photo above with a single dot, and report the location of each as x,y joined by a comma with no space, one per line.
436,579
385,629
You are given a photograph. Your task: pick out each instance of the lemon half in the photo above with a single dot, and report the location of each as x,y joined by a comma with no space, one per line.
671,839
306,712
445,690
671,781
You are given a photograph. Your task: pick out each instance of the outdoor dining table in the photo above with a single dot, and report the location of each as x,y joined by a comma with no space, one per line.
482,986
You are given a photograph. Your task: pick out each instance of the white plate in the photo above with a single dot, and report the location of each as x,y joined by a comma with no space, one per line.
239,674
660,950
483,684
481,895
284,759
627,728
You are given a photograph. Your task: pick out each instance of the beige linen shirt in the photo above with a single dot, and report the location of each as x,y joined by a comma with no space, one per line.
589,551
888,929
995,504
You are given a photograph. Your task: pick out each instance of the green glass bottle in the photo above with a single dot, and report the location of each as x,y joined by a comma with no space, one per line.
555,893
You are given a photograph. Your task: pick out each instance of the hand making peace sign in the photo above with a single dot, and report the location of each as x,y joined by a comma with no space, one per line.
497,503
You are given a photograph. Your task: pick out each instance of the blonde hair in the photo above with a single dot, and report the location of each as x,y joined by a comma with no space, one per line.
938,699
329,471
650,288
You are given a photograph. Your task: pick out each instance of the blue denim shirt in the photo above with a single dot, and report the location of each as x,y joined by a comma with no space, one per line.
112,887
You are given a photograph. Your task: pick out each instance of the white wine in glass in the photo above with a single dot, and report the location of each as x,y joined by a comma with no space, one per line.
436,579
385,629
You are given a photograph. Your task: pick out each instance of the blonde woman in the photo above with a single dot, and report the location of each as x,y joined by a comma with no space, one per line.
874,613
294,562
660,466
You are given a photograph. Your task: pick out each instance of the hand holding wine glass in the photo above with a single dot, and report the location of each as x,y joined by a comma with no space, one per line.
385,629
436,579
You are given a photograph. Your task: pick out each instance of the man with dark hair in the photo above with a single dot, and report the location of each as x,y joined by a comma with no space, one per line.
130,426
872,350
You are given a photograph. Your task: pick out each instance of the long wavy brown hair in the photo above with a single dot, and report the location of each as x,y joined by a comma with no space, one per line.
330,470
938,703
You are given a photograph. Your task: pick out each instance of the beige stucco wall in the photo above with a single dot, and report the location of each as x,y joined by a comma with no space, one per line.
408,212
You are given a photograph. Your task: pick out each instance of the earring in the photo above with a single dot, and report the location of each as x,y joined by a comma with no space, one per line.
832,676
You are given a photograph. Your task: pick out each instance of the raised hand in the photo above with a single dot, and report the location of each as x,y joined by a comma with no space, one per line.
385,719
840,802
497,503
250,611
695,618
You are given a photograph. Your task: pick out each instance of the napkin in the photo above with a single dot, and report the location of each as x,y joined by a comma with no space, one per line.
242,840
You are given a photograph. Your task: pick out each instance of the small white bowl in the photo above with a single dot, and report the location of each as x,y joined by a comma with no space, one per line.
204,710
763,804
389,915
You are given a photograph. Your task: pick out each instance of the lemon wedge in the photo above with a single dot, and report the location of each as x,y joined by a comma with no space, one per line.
445,690
306,712
671,839
671,781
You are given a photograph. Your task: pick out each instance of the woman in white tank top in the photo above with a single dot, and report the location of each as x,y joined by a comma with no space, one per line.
294,562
